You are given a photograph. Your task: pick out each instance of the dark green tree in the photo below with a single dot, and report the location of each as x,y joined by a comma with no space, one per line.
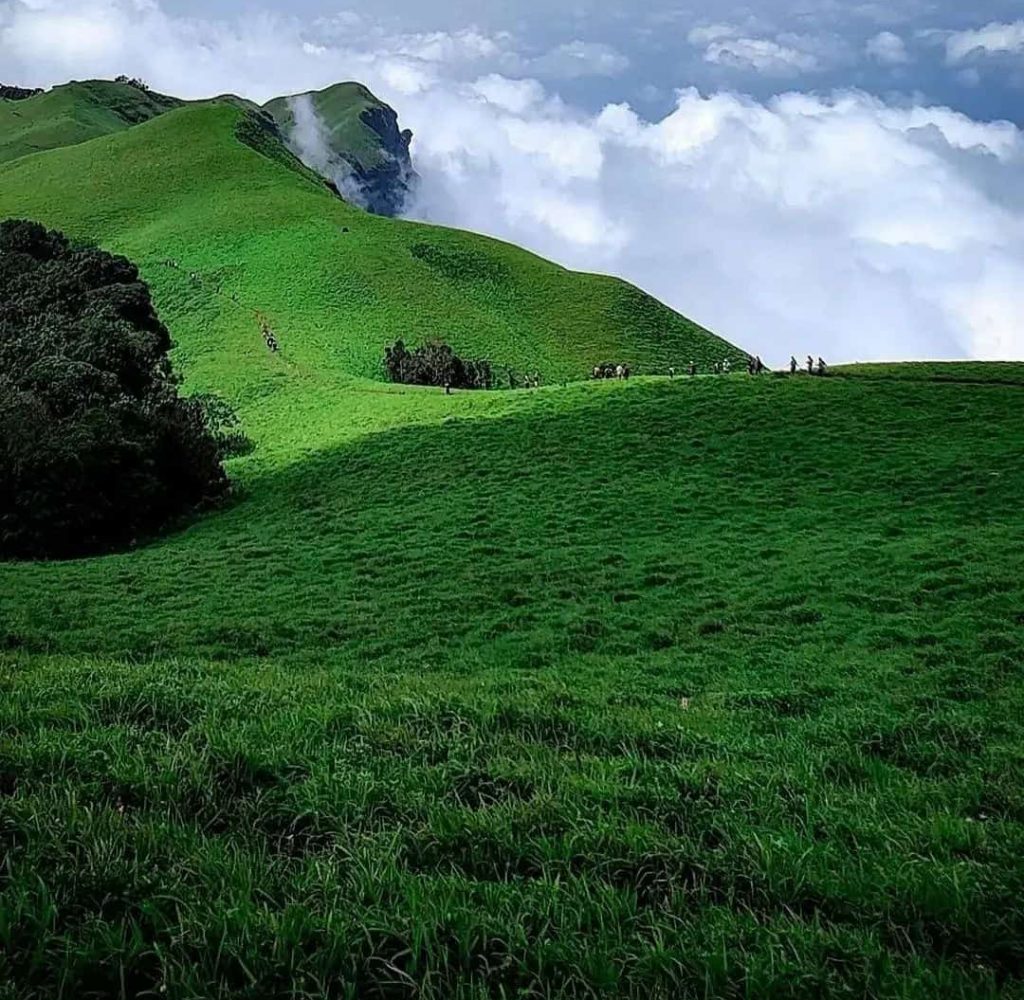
436,363
97,448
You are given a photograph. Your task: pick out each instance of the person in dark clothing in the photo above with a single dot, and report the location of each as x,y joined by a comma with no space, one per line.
693,368
822,368
793,364
810,365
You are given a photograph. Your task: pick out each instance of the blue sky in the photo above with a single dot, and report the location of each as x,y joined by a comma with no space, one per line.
806,176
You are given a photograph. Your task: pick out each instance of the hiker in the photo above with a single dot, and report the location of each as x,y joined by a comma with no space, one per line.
447,387
822,369
793,366
758,365
597,373
620,372
727,366
693,368
810,365
625,371
671,373
536,380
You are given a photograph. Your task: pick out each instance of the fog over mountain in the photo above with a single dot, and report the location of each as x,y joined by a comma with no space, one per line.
797,178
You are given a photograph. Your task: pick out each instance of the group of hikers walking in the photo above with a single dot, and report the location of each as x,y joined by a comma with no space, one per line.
611,371
268,334
755,366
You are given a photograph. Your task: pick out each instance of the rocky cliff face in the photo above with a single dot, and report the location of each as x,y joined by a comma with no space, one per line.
389,184
354,142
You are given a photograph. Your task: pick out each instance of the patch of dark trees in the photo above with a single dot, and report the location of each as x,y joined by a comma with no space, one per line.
97,448
8,93
132,81
436,364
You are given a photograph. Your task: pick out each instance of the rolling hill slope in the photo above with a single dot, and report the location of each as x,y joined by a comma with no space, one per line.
677,689
337,284
74,113
696,688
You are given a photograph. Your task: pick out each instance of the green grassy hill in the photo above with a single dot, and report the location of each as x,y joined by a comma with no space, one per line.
337,284
696,688
74,113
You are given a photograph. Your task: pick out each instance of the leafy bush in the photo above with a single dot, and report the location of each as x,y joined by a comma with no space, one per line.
97,449
436,364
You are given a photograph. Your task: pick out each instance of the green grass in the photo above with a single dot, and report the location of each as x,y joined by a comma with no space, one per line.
965,372
74,113
696,688
503,704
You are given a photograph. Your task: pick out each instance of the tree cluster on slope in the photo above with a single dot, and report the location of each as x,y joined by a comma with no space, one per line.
8,93
132,81
97,448
436,364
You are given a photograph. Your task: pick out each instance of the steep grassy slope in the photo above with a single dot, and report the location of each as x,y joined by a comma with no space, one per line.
336,283
74,113
707,688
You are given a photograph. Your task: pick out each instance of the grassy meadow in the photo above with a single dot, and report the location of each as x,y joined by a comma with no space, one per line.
691,688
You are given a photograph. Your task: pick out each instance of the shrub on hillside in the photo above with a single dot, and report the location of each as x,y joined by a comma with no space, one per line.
436,364
8,93
132,81
97,448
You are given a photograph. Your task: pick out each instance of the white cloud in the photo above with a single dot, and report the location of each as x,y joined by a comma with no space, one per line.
704,34
841,225
993,39
748,216
516,96
762,55
578,59
85,38
888,49
440,46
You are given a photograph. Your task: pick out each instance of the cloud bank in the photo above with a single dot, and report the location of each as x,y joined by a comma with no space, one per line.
836,224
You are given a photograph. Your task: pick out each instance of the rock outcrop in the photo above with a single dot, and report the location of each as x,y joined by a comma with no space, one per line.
353,141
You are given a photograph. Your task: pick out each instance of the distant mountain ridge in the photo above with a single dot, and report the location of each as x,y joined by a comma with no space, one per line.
363,154
72,113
